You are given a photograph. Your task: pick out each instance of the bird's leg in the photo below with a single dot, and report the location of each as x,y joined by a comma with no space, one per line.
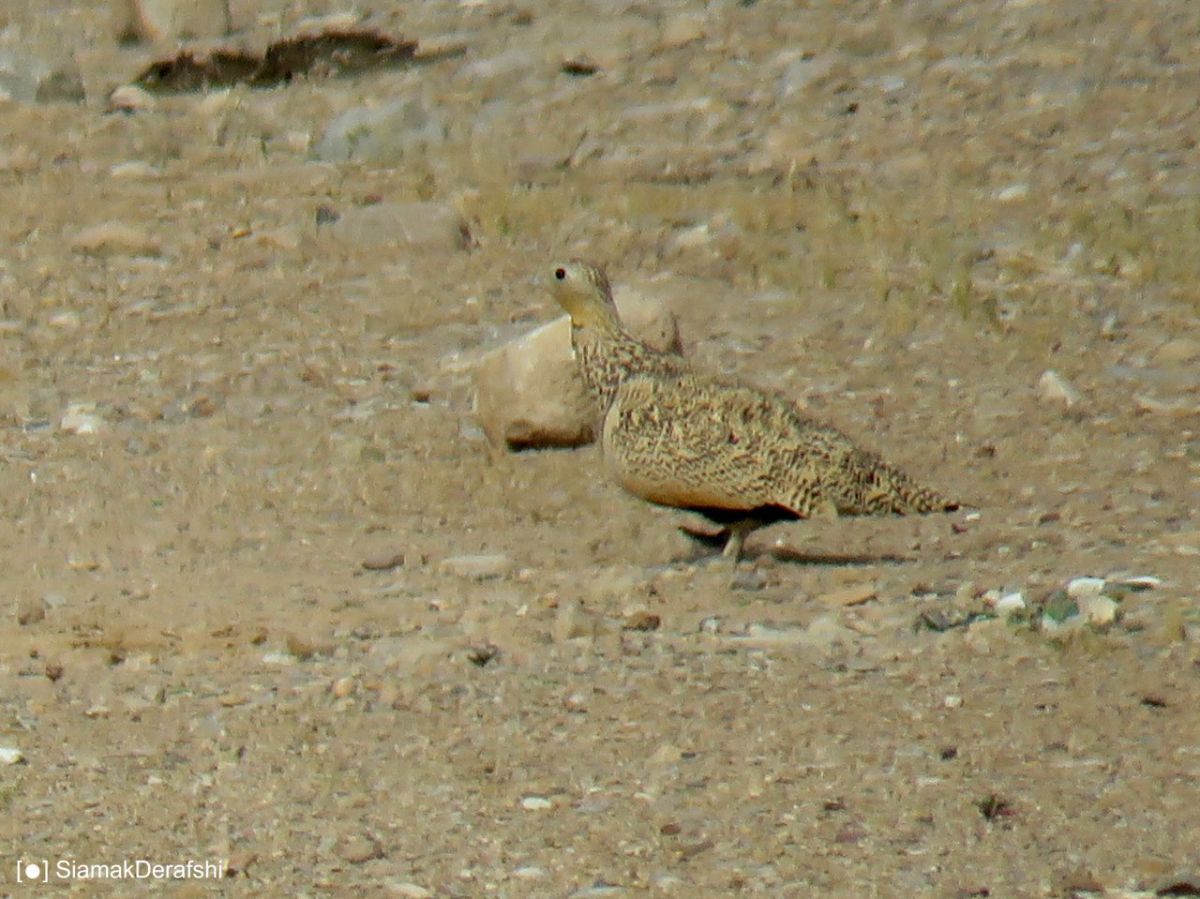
737,537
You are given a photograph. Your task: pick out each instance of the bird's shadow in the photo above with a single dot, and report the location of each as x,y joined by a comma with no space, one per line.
715,542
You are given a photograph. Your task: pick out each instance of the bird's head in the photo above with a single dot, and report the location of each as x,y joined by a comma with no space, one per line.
582,290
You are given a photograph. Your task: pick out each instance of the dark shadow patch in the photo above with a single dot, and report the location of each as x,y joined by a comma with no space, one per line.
326,54
714,542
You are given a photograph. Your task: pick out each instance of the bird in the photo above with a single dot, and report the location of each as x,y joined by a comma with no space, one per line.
605,352
738,455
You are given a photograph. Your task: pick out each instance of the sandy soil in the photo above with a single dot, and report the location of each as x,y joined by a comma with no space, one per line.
903,214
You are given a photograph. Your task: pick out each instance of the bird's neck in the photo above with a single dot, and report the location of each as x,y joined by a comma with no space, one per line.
603,356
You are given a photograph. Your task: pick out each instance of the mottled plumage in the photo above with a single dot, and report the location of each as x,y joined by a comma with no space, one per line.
736,454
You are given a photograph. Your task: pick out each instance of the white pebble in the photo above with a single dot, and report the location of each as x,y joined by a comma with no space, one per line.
1011,602
79,419
536,803
952,702
479,568
1140,582
1012,194
1054,387
10,755
1080,587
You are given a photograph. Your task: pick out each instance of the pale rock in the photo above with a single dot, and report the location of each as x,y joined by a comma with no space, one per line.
382,133
134,170
360,848
479,568
528,392
115,239
1177,351
1097,609
570,622
81,419
1010,603
413,653
1014,193
66,320
804,71
1054,388
131,98
314,26
1080,587
1137,582
515,60
10,755
154,21
823,633
407,890
30,76
682,29
536,803
417,225
529,872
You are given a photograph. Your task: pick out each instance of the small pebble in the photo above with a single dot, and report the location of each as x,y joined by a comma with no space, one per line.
10,755
1014,193
80,419
134,170
384,561
1138,582
360,848
343,687
1055,388
1010,603
536,803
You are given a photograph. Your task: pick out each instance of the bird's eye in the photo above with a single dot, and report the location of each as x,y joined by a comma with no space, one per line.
560,274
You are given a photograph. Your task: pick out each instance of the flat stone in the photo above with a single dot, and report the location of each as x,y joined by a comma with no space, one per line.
115,239
417,225
1177,351
480,568
383,561
382,133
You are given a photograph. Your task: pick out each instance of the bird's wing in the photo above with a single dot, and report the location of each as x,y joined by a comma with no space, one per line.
695,442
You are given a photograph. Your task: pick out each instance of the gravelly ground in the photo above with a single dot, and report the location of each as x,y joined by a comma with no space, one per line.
902,213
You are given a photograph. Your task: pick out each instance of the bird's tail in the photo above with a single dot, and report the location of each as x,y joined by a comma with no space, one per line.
874,487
